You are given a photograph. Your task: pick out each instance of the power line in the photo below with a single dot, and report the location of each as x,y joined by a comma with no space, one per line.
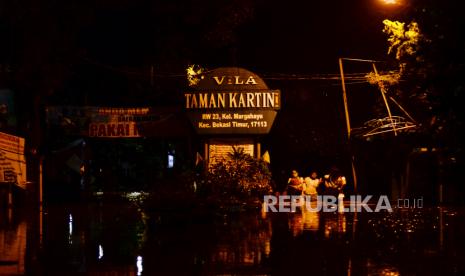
359,77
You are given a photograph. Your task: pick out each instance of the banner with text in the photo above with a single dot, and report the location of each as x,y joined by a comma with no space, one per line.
12,159
106,122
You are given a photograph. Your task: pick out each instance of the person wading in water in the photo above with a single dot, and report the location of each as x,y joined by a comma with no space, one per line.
295,184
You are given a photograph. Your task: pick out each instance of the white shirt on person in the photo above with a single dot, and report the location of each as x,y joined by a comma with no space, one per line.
310,186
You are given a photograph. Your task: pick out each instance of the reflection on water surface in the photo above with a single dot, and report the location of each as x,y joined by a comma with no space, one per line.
126,239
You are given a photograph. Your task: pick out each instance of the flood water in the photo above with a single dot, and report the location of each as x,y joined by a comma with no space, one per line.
126,238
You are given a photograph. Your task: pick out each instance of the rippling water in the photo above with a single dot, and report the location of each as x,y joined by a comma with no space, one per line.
125,239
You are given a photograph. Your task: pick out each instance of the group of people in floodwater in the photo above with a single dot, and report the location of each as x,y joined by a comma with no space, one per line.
333,183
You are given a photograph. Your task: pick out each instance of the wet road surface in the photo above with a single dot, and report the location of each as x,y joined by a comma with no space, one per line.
125,238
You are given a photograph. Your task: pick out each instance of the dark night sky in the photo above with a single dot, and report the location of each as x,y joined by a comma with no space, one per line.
310,36
272,36
263,36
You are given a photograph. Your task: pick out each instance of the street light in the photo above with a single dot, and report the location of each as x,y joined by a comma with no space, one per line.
392,3
390,8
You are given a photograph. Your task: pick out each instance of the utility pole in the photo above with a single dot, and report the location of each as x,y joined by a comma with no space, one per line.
346,112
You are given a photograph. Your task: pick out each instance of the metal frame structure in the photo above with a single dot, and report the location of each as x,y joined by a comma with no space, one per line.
384,125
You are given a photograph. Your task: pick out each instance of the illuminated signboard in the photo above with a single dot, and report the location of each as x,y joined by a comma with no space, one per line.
12,159
232,101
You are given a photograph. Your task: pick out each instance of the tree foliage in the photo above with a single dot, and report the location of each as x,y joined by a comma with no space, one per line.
240,176
429,54
194,73
403,40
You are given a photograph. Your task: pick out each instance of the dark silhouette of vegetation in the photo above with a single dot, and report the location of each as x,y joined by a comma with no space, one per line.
239,177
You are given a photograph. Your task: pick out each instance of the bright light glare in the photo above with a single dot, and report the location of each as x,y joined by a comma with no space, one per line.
70,228
100,252
139,266
391,2
170,161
